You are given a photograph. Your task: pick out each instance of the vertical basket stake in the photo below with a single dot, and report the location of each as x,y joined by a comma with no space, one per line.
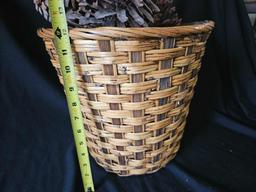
62,41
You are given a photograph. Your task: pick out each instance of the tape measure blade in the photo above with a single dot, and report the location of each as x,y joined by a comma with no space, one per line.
62,42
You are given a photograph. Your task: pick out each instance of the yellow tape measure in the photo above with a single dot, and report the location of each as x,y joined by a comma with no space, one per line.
62,42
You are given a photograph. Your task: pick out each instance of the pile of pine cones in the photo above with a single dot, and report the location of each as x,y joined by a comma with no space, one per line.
120,13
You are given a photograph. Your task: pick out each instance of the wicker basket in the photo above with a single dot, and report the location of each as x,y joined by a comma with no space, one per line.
135,87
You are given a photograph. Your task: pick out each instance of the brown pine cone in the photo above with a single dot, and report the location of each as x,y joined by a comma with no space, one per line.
168,15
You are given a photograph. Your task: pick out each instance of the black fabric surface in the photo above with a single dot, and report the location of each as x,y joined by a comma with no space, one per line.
37,152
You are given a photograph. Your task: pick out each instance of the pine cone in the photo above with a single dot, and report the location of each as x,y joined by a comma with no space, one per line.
168,15
121,13
42,8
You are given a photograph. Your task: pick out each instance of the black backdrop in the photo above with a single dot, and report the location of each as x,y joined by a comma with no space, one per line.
218,153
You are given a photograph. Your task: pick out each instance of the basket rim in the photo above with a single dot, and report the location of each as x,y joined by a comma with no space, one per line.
109,33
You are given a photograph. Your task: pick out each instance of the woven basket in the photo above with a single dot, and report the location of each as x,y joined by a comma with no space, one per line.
135,87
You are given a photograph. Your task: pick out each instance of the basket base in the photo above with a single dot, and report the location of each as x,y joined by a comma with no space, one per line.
126,172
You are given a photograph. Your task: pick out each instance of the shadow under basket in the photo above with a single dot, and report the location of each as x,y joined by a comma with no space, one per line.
135,86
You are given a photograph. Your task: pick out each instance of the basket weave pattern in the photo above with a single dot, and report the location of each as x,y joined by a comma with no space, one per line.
135,87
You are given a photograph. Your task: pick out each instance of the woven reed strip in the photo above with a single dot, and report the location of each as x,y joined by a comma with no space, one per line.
107,33
135,87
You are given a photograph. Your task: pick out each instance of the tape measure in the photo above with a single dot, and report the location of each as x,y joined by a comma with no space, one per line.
62,42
